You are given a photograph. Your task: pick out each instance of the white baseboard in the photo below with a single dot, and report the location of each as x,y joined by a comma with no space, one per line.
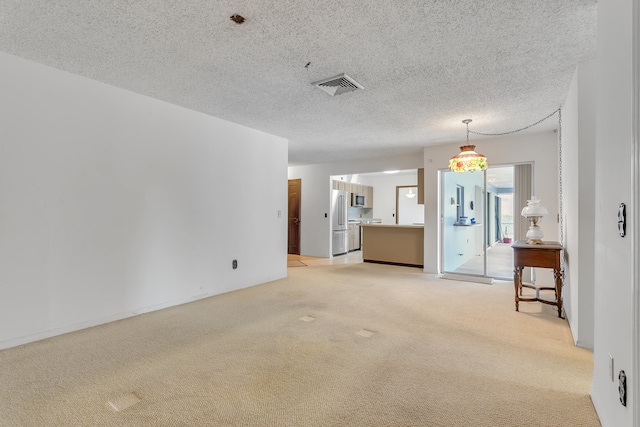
49,333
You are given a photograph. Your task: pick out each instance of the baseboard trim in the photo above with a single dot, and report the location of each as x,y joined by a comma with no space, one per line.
393,263
466,278
599,412
50,333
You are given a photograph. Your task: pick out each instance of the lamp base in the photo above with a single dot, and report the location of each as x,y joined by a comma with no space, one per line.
534,234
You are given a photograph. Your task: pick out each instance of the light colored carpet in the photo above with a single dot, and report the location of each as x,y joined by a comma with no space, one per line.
340,345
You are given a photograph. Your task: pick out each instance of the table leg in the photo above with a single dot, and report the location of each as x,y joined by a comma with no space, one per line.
517,283
558,279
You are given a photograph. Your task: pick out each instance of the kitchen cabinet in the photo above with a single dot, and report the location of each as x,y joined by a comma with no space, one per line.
365,190
368,196
340,185
354,237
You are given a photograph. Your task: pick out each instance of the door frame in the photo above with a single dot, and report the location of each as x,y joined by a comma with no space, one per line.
441,231
299,213
635,217
398,187
485,213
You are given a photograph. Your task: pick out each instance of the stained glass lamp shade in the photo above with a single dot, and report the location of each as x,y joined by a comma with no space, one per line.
468,160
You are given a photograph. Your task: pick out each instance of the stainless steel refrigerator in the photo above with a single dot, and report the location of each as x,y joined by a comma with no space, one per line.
339,221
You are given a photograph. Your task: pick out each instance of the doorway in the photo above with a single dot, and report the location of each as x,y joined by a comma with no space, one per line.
293,229
477,222
408,211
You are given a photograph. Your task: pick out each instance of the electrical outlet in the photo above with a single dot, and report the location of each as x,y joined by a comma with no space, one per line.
279,213
234,264
611,370
622,220
622,388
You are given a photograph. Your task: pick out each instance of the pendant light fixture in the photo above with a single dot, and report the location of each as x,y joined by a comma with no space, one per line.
410,194
468,160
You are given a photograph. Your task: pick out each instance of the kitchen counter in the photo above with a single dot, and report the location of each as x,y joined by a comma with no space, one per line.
365,221
393,244
392,225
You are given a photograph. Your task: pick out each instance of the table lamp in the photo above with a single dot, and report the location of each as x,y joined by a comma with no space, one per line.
534,213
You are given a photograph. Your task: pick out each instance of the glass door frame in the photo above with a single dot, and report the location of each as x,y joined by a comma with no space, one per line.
484,194
441,228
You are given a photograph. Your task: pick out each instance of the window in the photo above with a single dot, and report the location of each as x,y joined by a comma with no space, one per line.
460,202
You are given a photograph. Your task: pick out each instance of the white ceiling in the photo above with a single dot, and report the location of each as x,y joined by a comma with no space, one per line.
425,65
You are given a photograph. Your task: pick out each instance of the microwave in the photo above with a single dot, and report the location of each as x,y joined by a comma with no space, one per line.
357,200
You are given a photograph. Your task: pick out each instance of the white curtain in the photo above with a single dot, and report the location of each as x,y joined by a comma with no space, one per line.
522,191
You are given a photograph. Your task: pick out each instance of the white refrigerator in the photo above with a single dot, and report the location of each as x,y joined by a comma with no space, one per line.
339,222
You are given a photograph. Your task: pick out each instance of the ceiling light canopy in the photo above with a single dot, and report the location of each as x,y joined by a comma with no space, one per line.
468,160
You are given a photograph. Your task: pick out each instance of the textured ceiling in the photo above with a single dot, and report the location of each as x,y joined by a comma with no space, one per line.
425,65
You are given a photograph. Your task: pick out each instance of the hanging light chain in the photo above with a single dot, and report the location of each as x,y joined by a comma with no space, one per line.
466,122
513,131
560,213
467,131
560,183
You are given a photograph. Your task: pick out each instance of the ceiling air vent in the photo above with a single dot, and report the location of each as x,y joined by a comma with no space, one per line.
338,85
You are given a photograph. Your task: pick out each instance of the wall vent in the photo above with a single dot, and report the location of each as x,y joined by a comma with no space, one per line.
338,85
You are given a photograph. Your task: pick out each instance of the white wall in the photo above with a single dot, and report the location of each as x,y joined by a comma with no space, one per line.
613,271
578,147
384,194
539,148
113,204
409,211
315,232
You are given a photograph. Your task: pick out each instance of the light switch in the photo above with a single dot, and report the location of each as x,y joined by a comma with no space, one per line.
611,369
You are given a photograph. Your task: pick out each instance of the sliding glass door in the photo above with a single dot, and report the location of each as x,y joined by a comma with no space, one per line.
477,221
500,213
462,217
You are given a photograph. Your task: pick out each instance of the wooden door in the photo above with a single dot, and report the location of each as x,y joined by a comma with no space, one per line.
293,234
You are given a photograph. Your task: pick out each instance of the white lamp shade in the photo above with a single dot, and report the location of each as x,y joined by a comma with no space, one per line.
534,208
534,212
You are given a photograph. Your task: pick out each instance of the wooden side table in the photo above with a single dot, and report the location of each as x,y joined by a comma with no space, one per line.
545,255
